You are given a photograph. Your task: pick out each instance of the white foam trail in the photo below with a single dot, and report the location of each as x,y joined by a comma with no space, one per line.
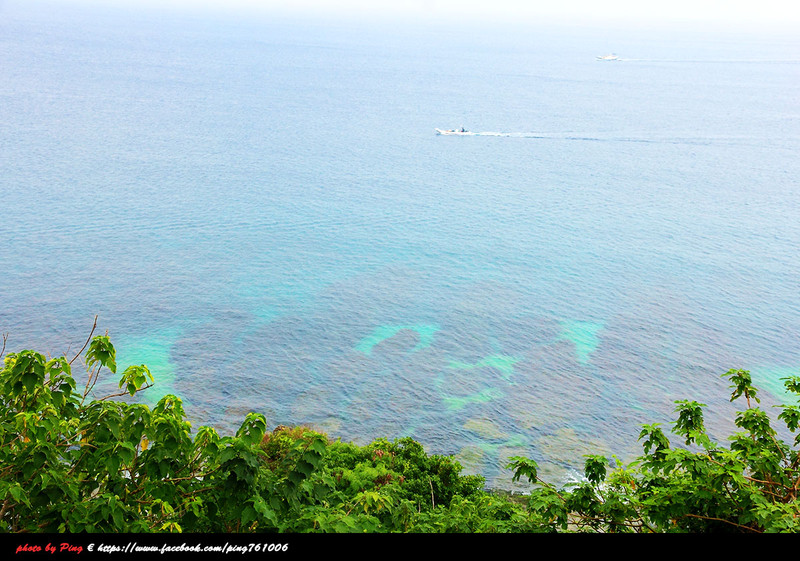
716,60
600,137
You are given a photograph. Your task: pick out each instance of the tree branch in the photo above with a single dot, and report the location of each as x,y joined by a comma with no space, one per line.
94,326
748,528
124,393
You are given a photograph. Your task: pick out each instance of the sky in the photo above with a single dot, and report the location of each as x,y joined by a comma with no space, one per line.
712,13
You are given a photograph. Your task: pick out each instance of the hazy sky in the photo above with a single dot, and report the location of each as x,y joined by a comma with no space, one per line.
746,13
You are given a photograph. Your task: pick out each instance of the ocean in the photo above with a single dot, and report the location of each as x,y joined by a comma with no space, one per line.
260,210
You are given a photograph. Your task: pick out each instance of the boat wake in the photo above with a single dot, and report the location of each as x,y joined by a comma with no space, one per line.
715,60
611,137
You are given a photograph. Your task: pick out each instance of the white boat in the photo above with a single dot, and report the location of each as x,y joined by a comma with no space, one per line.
454,132
608,57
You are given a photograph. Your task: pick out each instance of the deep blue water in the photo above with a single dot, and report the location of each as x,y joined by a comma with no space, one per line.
261,212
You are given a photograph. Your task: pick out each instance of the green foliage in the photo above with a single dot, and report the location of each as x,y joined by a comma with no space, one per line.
72,462
523,467
751,486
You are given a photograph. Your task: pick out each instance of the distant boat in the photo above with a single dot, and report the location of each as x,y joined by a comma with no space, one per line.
454,132
608,57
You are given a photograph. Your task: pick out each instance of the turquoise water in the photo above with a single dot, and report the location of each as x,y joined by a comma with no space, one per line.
261,212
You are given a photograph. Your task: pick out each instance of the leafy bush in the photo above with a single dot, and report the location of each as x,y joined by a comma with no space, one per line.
701,486
71,463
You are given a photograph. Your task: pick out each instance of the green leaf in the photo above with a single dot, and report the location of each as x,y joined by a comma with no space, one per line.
102,351
29,380
742,384
791,416
18,493
134,377
792,384
690,420
112,462
253,429
595,468
304,467
523,467
319,445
